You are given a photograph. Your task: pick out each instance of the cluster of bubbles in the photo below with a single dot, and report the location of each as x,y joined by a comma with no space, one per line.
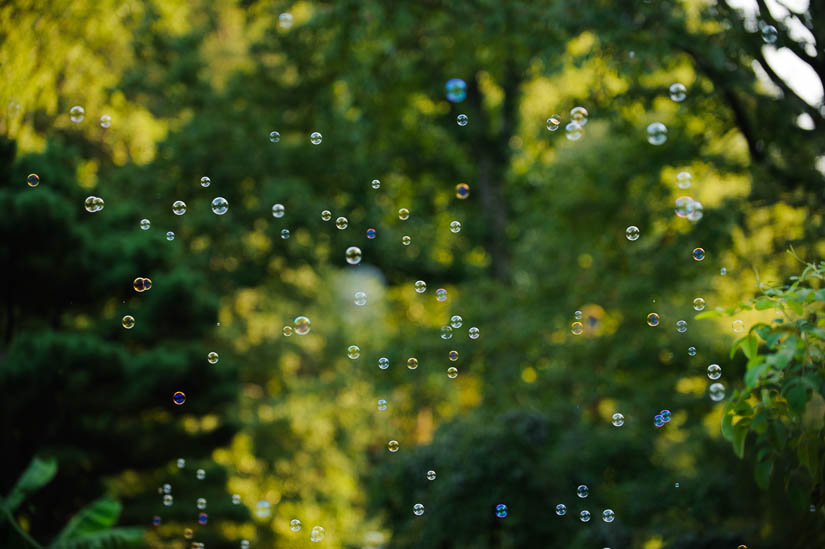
93,204
141,284
661,418
688,208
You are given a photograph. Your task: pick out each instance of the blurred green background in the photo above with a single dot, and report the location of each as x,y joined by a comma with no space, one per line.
195,87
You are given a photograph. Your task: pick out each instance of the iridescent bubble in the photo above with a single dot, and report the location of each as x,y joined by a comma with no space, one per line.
393,446
658,420
446,332
608,515
201,503
278,210
263,509
371,233
353,352
579,114
666,415
178,207
462,191
632,232
178,398
455,226
375,184
205,181
691,351
128,322
200,474
170,236
441,294
717,392
684,180
573,131
302,325
285,20
274,136
418,509
287,331
769,34
212,357
501,510
473,332
236,499
295,525
145,224
584,516
156,520
77,114
220,205
561,509
462,120
187,533
681,326
317,533
405,240
315,138
105,121
577,328
431,475
697,211
452,372
738,326
168,500
456,321
456,90
553,122
403,214
656,133
582,491
360,298
353,255
678,92
714,371
420,286
698,304
181,463
412,363
326,215
342,223
653,319
33,180
383,363
698,254
141,284
167,488
684,205
618,419
382,405
453,355
285,234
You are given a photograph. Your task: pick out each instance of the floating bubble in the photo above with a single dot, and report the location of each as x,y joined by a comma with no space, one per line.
371,233
723,271
684,180
383,363
561,509
33,180
738,326
653,319
684,205
456,321
678,92
156,520
77,114
145,224
353,351
691,351
302,325
205,181
405,240
263,509
681,326
284,234
295,525
181,463
317,533
714,371
717,392
178,207
393,446
167,488
128,322
553,122
578,315
584,516
274,136
326,215
666,415
617,420
431,475
170,236
403,214
341,223
141,284
455,226
360,298
582,491
452,372
462,120
287,331
441,294
473,332
501,510
420,286
285,20
697,211
656,133
244,544
769,34
577,328
382,405
278,210
201,503
446,332
698,254
456,90
418,509
698,304
212,357
632,233
315,138
412,363
375,184
453,355
353,255
168,500
462,191
608,515
573,131
200,474
658,420
187,533
579,114
105,121
236,499
220,205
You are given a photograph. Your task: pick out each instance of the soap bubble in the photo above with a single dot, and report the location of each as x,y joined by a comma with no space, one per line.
418,509
274,136
723,271
666,415
302,325
285,20
632,232
501,510
77,114
420,286
278,210
698,304
375,184
205,181
201,503
678,92
453,355
287,331
441,294
128,322
430,475
684,205
462,191
656,133
33,180
577,328
295,525
212,357
681,326
697,211
658,420
236,499
170,236
584,516
462,120
360,299
456,90
653,319
579,114
769,34
105,121
455,226
178,207
456,321
317,533
446,332
326,215
341,223
263,509
382,405
200,474
371,233
582,491
284,233
315,138
220,205
698,254
714,371
141,284
608,515
691,351
168,500
684,180
573,131
393,446
353,351
738,326
578,315
405,240
244,544
553,122
167,488
473,333
178,398
383,363
181,463
353,255
412,363
717,392
403,214
452,372
187,533
618,419
145,224
561,509
156,520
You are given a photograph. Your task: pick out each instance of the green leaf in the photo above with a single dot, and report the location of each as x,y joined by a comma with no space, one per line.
750,346
38,474
795,306
116,537
708,314
96,517
727,426
755,372
740,432
762,474
763,303
797,396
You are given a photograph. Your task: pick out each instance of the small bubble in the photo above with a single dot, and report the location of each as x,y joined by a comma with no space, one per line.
431,475
684,180
181,463
573,131
371,233
353,352
382,405
287,331
77,114
285,20
462,120
456,90
681,326
691,351
453,355
278,210
244,544
168,500
201,503
33,180
632,233
446,332
501,510
200,474
769,34
360,298
375,184
128,322
738,326
403,214
441,294
393,446
618,419
420,286
205,181
326,215
666,415
178,398
317,533
717,392
418,509
263,509
584,516
653,319
141,284
582,491
658,420
353,255
561,509
315,138
156,520
578,315
178,207
714,371
274,136
553,122
284,234
302,325
167,488
341,223
187,533
383,363
295,525
579,114
608,515
462,191
656,133
698,304
678,92
474,332
412,363
212,357
456,321
220,205
455,226
698,254
452,372
577,328
105,121
236,499
723,271
405,240
145,224
170,236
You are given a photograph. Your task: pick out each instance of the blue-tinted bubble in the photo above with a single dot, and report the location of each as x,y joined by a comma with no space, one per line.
203,518
263,509
383,363
179,398
170,236
220,205
441,294
698,254
462,120
608,515
681,326
456,90
462,190
691,351
658,420
284,233
665,415
583,491
156,521
584,516
456,321
653,319
418,509
453,355
501,510
382,405
561,509
656,133
371,233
